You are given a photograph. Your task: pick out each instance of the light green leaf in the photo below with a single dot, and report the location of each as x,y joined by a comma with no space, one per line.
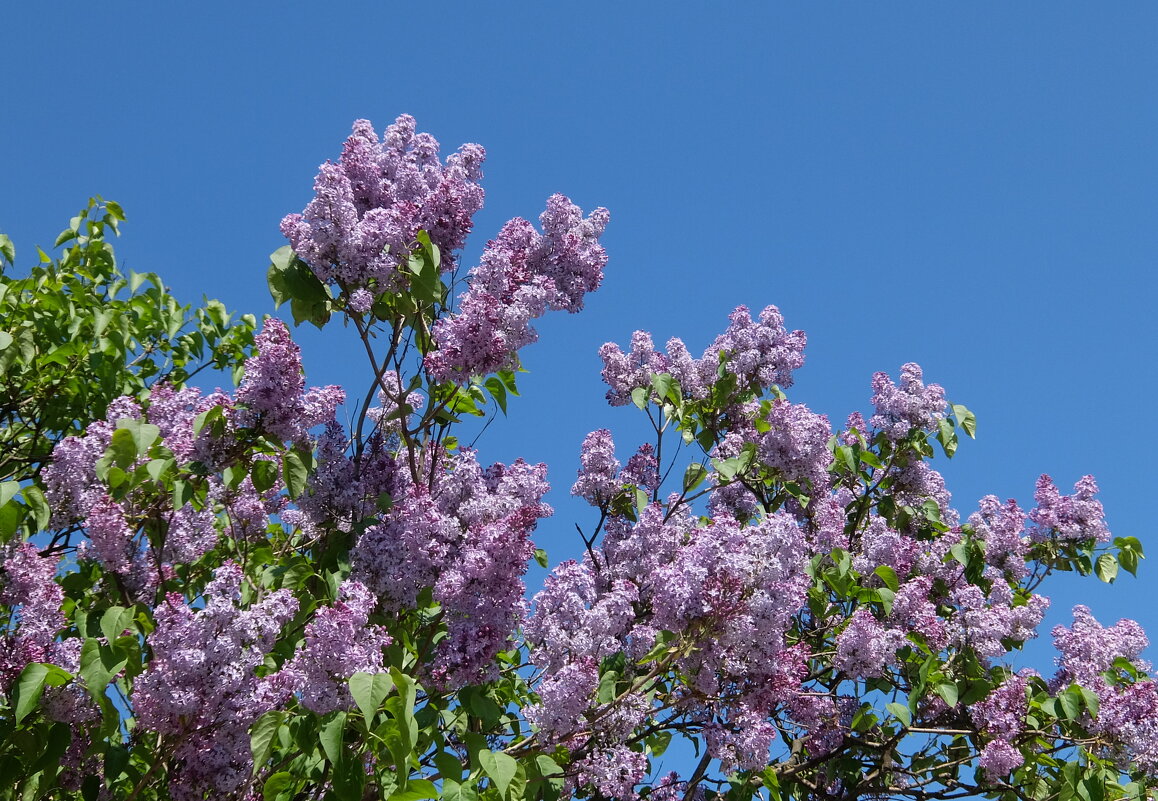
8,489
694,476
499,767
639,397
541,557
416,789
28,689
261,737
369,691
888,576
331,735
901,712
295,473
276,785
1107,568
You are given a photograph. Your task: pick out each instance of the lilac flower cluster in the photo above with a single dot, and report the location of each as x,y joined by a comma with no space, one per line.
1001,715
1127,711
370,205
201,689
600,478
273,393
734,589
467,537
522,274
26,584
899,409
759,354
1070,518
339,643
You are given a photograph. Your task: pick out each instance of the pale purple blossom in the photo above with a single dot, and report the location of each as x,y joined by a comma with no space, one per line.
1071,518
522,275
998,758
27,584
598,480
865,648
370,205
339,642
911,405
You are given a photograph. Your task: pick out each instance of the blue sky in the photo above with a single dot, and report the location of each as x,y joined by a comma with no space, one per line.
971,187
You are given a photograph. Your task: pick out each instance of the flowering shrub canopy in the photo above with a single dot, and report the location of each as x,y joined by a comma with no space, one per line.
229,595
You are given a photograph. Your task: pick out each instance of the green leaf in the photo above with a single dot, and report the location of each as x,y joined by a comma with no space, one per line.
276,785
28,689
7,249
261,737
295,473
369,691
416,789
694,476
331,735
541,557
122,448
144,434
948,692
901,712
5,339
115,620
499,767
889,577
550,770
263,474
1107,568
1071,703
966,420
8,489
639,397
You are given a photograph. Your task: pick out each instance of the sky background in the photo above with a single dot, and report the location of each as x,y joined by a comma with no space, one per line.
968,186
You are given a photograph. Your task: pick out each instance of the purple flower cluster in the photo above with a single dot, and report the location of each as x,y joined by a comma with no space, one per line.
339,643
1071,518
865,649
468,538
273,391
201,689
522,274
760,354
731,588
370,205
26,583
899,409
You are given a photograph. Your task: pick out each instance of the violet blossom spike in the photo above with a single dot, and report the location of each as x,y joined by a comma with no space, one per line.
370,205
912,404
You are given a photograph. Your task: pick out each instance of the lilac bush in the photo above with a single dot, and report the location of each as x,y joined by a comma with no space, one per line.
232,595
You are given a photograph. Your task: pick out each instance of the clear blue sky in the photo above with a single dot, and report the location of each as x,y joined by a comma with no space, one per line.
969,186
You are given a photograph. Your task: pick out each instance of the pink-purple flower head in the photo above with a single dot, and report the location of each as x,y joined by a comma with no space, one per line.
370,205
910,405
521,276
759,354
1072,518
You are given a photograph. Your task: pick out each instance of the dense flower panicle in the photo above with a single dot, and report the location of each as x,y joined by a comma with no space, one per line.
743,743
521,276
1072,518
174,412
1002,528
370,205
613,771
796,445
1002,712
564,697
759,354
468,540
624,372
1086,649
110,535
866,648
338,643
27,582
200,685
983,620
598,480
1129,714
998,758
881,545
642,469
273,389
764,353
912,404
